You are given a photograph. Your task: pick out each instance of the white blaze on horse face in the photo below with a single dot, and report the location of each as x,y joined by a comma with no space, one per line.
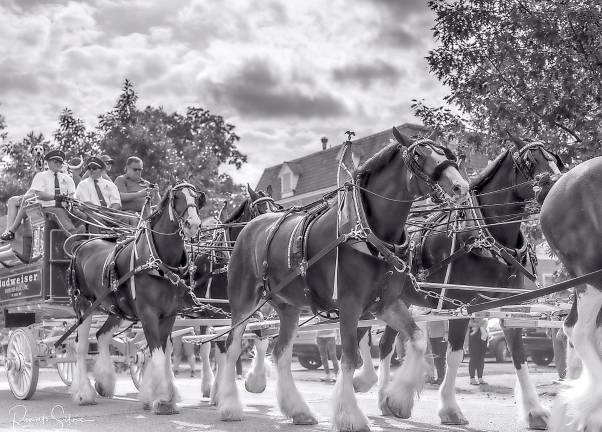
453,183
192,222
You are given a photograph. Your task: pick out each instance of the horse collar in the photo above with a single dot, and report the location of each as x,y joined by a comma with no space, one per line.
390,252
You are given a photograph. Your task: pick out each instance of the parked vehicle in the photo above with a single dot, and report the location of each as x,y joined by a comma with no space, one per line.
539,346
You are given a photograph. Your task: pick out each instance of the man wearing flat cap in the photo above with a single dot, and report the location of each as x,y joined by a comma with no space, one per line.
108,161
96,189
49,187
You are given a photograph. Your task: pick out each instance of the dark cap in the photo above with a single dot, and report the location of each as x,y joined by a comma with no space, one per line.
95,162
106,158
55,154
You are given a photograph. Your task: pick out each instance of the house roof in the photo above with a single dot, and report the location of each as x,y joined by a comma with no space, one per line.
319,170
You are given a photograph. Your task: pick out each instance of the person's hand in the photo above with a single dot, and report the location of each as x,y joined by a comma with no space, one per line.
142,192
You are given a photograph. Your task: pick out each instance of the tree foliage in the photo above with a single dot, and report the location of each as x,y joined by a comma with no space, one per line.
531,66
190,146
72,136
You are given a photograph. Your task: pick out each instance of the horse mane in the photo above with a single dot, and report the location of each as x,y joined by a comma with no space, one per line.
379,160
238,212
487,173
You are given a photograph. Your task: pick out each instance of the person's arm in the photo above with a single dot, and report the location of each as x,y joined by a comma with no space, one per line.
124,194
114,198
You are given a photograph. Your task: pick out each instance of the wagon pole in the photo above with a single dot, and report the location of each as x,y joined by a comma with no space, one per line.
450,265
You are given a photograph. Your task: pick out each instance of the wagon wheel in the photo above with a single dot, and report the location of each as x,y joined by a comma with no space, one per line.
137,367
22,367
66,369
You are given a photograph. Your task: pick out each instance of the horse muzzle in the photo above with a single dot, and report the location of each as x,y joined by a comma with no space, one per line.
543,184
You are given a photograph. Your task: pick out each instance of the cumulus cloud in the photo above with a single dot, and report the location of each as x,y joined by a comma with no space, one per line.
257,90
285,73
368,73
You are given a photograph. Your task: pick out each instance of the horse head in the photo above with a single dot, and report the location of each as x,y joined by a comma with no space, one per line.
434,164
536,166
185,201
262,202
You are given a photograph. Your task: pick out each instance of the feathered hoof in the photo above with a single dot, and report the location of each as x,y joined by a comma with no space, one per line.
401,408
363,382
453,418
384,406
85,397
304,419
104,391
206,390
255,382
230,415
538,420
363,427
165,408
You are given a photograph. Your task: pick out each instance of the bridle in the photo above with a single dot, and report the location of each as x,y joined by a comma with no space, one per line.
270,203
415,160
526,163
197,203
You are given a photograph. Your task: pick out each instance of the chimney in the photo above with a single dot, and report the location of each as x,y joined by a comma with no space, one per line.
324,141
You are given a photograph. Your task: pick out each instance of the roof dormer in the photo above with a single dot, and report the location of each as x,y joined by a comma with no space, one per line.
289,176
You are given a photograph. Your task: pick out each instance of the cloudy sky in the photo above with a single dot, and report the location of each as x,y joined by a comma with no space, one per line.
285,72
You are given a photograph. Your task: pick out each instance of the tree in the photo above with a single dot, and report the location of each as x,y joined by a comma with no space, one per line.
16,167
191,146
72,136
532,66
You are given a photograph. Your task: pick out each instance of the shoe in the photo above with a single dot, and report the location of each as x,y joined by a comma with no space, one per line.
558,381
482,381
473,381
7,235
326,378
191,374
175,373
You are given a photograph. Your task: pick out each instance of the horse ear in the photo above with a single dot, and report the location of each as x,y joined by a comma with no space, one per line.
201,199
401,138
519,143
252,193
269,191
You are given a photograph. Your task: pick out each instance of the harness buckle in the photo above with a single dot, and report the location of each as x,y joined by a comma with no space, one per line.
303,268
173,278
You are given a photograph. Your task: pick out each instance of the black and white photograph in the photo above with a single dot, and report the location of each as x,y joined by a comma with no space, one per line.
285,215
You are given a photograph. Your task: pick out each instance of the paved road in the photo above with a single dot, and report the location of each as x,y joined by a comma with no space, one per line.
489,408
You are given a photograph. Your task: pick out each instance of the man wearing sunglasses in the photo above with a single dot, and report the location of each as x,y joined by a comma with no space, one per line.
49,187
133,188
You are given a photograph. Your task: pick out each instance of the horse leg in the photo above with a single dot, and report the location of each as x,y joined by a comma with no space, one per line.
290,401
104,371
346,414
81,389
157,388
585,397
207,373
365,377
449,410
408,380
228,402
255,380
385,348
532,411
220,364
